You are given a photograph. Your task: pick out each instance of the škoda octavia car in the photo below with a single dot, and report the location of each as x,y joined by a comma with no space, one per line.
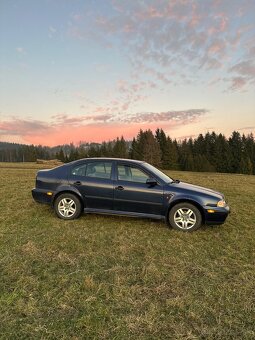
127,187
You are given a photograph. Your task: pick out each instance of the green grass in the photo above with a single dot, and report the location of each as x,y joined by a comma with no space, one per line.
103,277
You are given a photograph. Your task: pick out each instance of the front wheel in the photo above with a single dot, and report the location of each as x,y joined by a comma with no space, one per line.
67,206
185,217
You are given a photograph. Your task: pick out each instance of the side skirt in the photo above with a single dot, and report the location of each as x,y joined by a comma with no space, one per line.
122,213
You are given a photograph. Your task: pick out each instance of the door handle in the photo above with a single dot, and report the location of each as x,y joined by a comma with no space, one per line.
120,187
77,183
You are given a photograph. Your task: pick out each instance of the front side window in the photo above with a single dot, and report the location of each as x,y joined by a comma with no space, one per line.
93,169
131,174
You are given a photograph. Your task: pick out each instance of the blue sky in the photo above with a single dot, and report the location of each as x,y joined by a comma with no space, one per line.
75,71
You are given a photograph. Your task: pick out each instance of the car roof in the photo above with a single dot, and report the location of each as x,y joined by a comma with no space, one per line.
107,159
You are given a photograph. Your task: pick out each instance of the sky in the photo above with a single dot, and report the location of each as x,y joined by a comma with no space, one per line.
93,70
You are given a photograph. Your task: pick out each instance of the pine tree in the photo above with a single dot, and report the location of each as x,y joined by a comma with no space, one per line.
136,151
104,150
151,149
199,145
165,148
94,151
120,148
249,151
210,148
146,148
235,144
61,155
245,166
185,156
224,159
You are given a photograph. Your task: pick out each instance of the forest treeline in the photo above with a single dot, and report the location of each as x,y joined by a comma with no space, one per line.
209,152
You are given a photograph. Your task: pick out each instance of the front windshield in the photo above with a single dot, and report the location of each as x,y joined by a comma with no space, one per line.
158,173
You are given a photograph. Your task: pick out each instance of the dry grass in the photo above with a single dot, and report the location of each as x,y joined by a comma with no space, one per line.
103,277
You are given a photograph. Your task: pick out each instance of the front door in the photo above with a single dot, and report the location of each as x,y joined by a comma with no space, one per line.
132,194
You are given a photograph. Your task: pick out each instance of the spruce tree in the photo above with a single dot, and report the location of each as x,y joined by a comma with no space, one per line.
120,148
235,144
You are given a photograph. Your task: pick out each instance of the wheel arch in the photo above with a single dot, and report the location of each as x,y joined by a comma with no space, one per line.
69,191
186,200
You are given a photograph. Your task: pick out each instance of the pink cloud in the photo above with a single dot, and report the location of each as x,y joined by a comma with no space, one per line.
242,74
219,24
175,117
238,83
161,36
187,137
20,127
65,129
125,86
64,119
245,67
154,13
217,46
247,128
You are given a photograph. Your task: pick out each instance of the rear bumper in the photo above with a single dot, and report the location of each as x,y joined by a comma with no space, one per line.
41,196
218,216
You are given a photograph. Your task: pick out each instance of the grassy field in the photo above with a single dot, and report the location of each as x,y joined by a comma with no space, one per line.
103,277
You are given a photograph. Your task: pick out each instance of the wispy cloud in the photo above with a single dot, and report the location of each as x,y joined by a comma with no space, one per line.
176,117
21,50
251,128
64,119
66,128
23,127
187,137
243,74
51,32
185,36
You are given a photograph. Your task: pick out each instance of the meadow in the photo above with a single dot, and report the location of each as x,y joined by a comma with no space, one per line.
105,277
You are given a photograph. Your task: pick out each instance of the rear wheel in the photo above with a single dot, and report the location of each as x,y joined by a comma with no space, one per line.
185,216
67,206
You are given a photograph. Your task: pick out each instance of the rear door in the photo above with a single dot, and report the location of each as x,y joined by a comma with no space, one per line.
94,181
132,194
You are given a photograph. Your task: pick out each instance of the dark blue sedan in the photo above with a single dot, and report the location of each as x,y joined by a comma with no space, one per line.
127,187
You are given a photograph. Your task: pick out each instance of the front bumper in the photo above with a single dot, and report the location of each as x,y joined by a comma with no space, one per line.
218,216
41,196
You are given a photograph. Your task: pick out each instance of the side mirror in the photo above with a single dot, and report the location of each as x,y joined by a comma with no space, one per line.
151,182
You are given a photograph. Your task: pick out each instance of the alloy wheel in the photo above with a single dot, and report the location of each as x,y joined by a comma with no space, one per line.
67,207
185,218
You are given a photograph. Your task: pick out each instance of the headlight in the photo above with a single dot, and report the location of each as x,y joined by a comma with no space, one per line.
221,204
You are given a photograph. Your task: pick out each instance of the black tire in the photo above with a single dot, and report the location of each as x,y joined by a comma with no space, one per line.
67,206
185,217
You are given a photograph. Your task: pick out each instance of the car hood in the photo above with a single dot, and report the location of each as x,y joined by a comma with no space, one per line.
195,188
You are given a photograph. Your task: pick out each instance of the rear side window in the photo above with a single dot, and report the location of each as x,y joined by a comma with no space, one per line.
79,170
94,169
